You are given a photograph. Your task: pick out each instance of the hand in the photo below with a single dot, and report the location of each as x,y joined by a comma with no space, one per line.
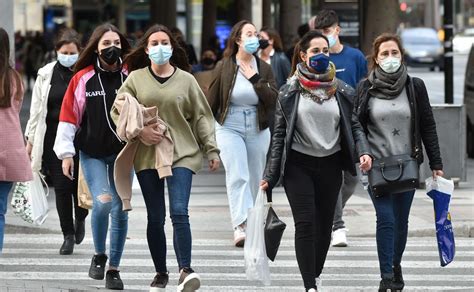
68,167
247,70
29,148
264,185
214,164
150,135
365,162
437,173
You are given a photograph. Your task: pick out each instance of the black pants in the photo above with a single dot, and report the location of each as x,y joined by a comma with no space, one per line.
64,188
312,185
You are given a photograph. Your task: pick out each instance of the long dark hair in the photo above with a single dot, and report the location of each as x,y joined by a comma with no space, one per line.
232,47
275,36
89,54
138,58
303,46
7,73
385,37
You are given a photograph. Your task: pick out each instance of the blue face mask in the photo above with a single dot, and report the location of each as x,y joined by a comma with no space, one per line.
160,54
332,40
67,60
251,45
319,62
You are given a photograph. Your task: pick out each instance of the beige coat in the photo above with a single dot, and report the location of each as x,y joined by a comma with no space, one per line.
132,118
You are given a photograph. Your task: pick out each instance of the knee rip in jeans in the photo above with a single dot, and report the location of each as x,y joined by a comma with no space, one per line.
104,198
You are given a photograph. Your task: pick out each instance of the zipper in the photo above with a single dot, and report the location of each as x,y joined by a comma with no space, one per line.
105,106
226,109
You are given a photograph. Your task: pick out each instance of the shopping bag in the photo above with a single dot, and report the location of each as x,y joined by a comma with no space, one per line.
84,197
29,200
256,261
440,190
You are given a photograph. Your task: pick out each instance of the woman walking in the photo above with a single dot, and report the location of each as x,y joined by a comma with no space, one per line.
85,121
15,165
393,116
271,51
48,92
242,98
311,145
159,77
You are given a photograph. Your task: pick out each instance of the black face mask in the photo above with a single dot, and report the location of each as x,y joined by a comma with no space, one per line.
110,55
207,61
263,44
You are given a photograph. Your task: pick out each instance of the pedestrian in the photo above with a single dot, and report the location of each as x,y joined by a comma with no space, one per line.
85,122
271,51
312,143
48,92
15,165
351,67
388,108
188,47
208,61
242,98
159,77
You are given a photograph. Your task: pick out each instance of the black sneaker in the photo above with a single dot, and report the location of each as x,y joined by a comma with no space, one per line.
113,281
80,228
159,282
96,271
189,281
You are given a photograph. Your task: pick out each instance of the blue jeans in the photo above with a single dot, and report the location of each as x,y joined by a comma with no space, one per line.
5,187
243,152
392,213
179,190
99,174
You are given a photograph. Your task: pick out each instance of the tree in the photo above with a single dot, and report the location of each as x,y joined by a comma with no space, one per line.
163,12
209,16
290,19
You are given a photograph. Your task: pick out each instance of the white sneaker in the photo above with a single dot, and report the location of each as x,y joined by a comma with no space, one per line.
312,290
319,284
239,237
339,238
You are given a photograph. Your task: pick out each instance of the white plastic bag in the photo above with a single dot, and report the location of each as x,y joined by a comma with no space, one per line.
29,200
256,261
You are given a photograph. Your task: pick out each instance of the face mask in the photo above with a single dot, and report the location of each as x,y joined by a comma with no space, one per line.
390,64
263,44
319,62
332,40
111,54
67,60
207,61
160,54
251,45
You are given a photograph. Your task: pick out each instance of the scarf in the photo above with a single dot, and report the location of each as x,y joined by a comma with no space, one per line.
387,85
318,87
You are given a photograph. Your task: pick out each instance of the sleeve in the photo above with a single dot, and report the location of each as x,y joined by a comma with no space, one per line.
360,139
127,87
285,66
265,86
35,110
202,121
213,94
363,68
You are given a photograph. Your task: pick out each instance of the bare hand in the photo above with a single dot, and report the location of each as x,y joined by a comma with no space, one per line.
150,135
29,148
68,167
247,70
437,173
264,185
214,164
365,162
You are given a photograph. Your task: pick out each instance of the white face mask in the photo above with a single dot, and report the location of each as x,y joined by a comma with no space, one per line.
67,60
390,64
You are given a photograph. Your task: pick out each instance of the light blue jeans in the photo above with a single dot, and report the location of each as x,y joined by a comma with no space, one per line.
99,174
5,187
243,152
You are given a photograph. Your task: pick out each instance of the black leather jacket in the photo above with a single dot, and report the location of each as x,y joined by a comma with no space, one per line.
284,127
424,129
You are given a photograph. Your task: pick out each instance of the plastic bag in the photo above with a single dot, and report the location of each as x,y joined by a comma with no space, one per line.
256,261
29,200
440,190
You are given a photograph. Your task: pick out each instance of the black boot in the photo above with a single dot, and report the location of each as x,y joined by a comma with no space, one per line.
398,282
96,271
386,284
80,228
68,245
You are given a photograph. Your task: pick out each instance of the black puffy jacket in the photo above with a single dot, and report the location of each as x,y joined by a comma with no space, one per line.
424,129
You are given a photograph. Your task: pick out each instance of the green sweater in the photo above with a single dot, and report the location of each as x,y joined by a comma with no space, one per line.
184,108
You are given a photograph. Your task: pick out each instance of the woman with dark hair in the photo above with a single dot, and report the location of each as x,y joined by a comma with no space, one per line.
311,145
271,51
242,97
48,92
85,124
393,116
13,157
159,79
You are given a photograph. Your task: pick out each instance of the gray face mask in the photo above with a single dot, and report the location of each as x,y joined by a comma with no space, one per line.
390,64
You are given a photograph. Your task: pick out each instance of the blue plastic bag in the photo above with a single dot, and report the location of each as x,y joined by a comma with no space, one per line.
440,190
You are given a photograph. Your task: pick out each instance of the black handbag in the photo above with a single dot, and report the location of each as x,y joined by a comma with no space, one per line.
394,174
273,231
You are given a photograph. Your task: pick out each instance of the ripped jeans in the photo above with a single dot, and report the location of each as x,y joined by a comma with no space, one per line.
99,174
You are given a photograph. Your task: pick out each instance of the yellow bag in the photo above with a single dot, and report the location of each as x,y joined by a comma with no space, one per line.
84,196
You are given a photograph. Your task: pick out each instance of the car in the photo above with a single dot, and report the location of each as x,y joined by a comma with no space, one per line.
469,103
463,41
422,48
